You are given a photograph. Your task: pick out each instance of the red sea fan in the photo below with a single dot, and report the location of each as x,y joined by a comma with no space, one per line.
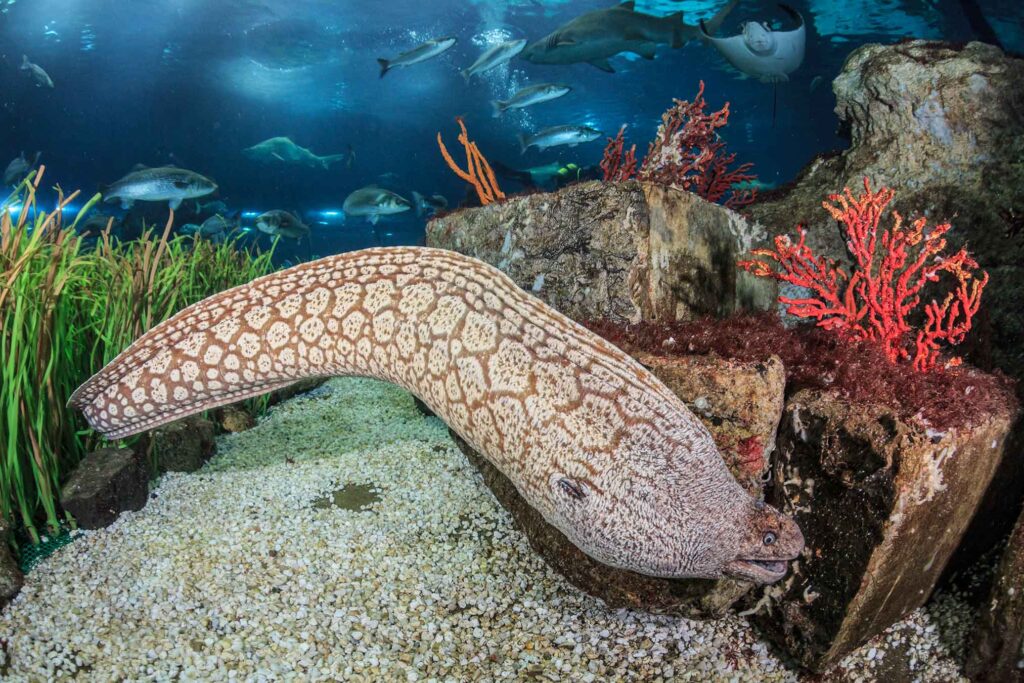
618,163
687,153
875,301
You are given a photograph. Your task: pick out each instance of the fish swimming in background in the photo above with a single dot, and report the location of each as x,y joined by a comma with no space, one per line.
284,223
558,135
429,205
761,53
36,73
535,94
215,206
421,53
282,150
19,168
165,183
595,36
213,227
538,176
494,56
373,202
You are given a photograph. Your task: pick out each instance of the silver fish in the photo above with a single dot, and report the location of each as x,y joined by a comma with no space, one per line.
558,135
494,56
284,223
36,73
428,50
595,36
166,183
374,202
535,94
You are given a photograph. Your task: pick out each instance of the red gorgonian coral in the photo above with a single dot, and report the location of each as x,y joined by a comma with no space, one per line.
876,299
618,163
686,152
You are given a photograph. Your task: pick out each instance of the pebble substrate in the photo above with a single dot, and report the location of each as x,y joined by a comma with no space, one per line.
232,573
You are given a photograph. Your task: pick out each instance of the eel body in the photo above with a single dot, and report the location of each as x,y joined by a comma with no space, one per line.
606,452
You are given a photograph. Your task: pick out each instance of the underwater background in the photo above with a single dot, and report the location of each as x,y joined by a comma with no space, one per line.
193,83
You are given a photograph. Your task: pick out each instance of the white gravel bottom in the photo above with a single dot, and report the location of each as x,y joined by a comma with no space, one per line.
232,574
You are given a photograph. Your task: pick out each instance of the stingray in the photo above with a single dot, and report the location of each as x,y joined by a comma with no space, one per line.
767,55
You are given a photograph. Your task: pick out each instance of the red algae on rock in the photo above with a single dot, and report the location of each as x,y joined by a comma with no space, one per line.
819,359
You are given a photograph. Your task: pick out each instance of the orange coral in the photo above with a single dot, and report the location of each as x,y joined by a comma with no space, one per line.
478,172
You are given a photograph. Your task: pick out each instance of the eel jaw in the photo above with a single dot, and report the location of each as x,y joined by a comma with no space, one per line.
758,571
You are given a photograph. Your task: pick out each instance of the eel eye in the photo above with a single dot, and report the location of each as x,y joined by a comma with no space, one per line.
769,538
571,488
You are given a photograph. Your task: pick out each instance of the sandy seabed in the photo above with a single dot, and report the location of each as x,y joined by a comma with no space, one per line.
242,572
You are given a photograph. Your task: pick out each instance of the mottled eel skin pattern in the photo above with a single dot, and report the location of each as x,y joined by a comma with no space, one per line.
594,441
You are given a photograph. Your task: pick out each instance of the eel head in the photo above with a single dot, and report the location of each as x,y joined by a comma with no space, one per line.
769,541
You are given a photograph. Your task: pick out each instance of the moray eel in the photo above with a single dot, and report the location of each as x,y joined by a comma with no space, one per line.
597,444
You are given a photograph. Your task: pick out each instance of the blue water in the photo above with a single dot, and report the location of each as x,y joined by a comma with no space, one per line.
193,82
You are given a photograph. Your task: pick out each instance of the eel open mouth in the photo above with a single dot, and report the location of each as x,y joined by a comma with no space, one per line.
759,571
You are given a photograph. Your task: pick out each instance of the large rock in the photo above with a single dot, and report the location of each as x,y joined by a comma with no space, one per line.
11,578
882,505
944,127
996,652
739,403
624,251
184,445
103,485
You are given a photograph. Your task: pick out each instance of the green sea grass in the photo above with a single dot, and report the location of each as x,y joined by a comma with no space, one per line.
66,309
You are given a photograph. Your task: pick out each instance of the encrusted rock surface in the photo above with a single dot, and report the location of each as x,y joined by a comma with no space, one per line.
882,504
997,644
184,445
740,404
625,251
234,419
103,485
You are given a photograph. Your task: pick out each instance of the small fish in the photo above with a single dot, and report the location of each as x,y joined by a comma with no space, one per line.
216,206
18,169
36,73
494,56
429,205
558,135
166,183
282,223
374,202
96,223
428,50
535,94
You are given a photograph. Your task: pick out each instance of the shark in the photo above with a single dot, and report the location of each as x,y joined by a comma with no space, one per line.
283,150
596,36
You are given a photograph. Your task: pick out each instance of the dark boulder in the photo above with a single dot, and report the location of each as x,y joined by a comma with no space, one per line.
184,445
996,653
103,485
882,503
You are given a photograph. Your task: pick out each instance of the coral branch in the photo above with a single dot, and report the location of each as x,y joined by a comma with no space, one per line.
890,270
478,172
617,163
686,152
